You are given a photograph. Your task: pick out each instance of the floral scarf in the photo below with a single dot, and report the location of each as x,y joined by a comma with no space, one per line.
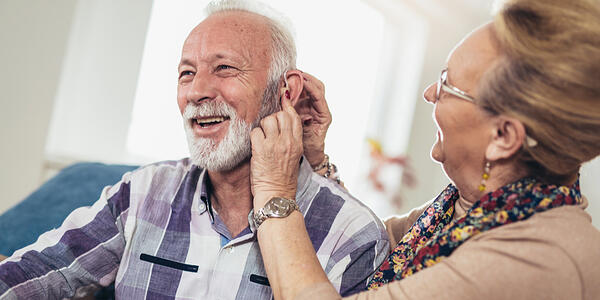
434,235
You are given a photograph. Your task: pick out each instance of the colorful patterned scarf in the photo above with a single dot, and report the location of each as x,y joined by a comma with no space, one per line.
435,235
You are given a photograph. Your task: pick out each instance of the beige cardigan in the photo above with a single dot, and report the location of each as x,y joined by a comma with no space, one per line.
552,255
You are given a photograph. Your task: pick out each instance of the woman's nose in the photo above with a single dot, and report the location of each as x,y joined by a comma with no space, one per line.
429,93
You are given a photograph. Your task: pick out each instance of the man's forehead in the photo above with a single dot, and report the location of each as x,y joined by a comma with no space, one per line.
232,25
229,34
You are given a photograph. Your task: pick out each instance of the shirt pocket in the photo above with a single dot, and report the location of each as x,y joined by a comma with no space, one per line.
168,263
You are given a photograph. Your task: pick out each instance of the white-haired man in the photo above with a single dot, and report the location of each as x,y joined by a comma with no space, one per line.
185,229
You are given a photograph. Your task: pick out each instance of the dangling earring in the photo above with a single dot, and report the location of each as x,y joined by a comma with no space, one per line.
485,176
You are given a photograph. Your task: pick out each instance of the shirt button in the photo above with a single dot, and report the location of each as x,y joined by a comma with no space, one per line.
229,249
202,207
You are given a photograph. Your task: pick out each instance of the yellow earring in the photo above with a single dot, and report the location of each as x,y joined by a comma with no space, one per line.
485,176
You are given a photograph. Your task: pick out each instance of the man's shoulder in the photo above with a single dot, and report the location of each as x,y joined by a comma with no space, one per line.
329,193
333,203
167,170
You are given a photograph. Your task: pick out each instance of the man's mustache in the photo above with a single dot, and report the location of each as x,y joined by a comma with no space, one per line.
209,109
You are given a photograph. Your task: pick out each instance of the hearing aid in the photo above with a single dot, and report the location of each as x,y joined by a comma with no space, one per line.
285,86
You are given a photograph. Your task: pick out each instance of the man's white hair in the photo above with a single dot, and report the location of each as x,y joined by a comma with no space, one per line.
283,48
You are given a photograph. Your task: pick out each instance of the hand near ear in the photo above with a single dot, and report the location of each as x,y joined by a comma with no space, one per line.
276,152
316,118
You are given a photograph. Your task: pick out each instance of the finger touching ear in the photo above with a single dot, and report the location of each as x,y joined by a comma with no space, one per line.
508,138
292,86
295,119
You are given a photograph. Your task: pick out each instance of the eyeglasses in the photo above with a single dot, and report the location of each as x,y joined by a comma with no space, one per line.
443,84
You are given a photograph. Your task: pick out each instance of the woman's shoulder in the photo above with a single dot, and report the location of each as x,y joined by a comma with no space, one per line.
398,225
567,227
559,243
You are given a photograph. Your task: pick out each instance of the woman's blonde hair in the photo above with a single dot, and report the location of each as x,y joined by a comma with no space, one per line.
549,79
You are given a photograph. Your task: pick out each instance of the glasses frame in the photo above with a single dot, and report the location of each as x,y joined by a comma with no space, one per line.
443,84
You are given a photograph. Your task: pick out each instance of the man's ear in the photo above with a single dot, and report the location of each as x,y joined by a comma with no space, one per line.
508,138
291,86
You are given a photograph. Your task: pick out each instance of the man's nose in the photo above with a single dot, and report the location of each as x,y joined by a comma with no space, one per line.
429,93
202,88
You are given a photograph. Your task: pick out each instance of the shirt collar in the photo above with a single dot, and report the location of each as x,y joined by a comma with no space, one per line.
204,205
304,173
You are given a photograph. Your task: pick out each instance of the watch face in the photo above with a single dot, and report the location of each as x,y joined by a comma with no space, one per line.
279,206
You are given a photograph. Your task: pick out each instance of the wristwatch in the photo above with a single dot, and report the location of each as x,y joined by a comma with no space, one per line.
276,207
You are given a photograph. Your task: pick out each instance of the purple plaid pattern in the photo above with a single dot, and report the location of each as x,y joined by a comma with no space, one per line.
163,212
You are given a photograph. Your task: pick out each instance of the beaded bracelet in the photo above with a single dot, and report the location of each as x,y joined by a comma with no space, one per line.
331,170
322,165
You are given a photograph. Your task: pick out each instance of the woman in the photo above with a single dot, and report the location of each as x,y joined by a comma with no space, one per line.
518,112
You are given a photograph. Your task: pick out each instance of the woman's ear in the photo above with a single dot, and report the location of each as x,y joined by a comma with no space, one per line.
508,138
291,86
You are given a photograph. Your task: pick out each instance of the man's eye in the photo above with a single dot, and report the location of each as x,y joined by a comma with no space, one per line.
186,73
224,67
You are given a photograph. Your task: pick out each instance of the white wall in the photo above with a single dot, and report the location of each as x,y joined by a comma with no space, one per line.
33,37
71,66
98,81
590,188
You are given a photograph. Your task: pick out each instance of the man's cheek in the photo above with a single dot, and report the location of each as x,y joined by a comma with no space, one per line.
181,103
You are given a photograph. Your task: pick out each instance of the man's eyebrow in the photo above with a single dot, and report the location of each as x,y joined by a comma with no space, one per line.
234,56
185,61
221,55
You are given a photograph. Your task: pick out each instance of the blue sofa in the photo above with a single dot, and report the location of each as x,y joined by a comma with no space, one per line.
75,186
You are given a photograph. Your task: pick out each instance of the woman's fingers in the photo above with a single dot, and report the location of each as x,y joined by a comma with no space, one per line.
315,92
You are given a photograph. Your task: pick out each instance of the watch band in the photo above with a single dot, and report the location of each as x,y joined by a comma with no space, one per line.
273,209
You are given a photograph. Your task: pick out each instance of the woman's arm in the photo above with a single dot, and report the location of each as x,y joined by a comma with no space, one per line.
289,257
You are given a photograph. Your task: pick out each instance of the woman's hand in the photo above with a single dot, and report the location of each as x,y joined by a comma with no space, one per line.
276,152
315,117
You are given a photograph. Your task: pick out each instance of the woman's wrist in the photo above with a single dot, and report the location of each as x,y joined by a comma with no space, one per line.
328,170
316,158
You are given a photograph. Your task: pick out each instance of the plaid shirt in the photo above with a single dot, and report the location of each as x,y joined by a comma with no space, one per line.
155,235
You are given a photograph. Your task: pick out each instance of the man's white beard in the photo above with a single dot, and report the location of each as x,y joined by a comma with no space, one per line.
206,152
235,146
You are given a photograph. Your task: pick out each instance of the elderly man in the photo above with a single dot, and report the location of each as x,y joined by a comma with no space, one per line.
185,229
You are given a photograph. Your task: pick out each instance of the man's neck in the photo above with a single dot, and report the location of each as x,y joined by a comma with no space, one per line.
231,196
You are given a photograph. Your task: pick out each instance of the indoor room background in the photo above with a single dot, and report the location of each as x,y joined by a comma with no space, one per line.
95,80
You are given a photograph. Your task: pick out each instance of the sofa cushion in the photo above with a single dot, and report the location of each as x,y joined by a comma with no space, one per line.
77,185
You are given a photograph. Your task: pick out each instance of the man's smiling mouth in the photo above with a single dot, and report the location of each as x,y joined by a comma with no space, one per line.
209,121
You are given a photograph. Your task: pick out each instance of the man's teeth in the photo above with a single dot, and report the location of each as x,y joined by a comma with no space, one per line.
210,120
204,122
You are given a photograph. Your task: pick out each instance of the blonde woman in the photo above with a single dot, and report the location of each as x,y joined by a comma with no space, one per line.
518,112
